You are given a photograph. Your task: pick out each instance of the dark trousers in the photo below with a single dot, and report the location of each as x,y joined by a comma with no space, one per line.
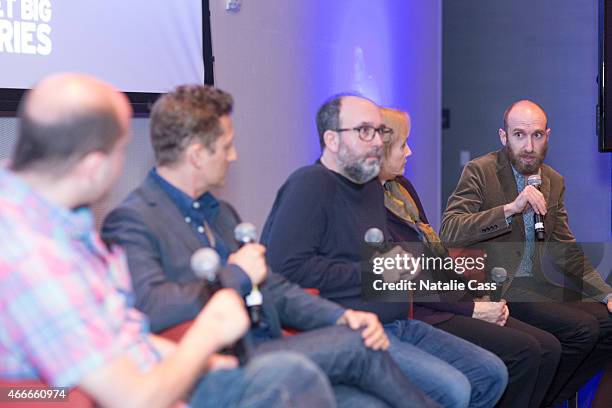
341,354
584,330
603,398
530,354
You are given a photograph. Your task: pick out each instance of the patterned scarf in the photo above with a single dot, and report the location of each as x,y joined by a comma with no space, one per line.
399,201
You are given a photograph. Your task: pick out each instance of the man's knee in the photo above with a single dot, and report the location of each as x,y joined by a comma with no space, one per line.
272,377
492,382
282,363
586,333
344,339
550,347
497,371
525,356
605,329
458,391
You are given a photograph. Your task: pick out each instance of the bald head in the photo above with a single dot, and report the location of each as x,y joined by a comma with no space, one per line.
525,136
524,110
65,117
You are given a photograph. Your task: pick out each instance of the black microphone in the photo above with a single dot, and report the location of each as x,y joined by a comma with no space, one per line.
246,233
499,276
538,219
205,264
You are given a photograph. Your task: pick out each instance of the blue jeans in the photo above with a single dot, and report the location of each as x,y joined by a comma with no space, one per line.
452,371
279,379
361,376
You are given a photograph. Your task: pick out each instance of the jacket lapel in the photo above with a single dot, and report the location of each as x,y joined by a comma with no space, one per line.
169,216
508,185
545,189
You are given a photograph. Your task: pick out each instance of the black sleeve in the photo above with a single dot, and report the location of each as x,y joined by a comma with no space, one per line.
298,309
165,302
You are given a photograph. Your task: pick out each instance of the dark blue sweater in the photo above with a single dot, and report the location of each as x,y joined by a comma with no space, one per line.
314,235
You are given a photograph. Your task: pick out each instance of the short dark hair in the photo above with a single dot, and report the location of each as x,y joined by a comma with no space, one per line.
56,146
328,115
188,112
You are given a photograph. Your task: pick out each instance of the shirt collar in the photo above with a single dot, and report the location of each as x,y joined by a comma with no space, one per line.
517,176
206,203
520,177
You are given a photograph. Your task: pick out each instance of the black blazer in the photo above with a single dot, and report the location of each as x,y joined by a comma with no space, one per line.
159,245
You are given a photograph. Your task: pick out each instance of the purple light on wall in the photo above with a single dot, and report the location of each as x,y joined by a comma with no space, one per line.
388,50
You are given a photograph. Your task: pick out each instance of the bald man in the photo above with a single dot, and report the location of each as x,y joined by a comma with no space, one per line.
66,297
493,205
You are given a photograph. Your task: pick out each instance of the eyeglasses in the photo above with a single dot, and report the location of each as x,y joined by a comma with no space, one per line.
367,132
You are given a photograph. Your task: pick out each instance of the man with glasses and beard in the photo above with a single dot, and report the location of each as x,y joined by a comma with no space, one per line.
314,235
494,204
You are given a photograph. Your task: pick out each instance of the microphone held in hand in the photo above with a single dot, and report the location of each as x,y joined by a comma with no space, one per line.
374,237
498,276
375,240
205,264
538,219
246,233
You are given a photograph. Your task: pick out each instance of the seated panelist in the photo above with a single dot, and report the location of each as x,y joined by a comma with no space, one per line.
173,213
510,197
66,300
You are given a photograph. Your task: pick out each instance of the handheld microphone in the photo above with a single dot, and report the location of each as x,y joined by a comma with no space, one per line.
374,237
246,233
499,276
538,219
205,264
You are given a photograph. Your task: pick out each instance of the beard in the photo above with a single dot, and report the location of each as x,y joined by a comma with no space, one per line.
359,168
520,160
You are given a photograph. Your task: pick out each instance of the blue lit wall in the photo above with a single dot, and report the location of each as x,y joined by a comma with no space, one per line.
282,59
493,56
388,50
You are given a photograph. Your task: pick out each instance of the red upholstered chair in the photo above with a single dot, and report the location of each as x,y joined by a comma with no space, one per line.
175,333
76,397
312,291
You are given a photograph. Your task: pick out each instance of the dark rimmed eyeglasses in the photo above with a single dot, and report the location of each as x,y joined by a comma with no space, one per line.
367,132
